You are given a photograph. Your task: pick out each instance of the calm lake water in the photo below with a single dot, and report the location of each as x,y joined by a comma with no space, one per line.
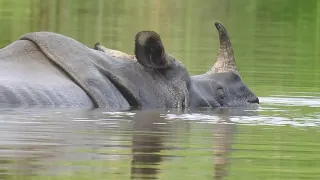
277,48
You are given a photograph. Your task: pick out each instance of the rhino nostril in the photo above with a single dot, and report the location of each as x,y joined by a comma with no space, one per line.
254,100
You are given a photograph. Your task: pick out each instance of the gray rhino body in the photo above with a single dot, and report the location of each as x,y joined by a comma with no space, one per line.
49,69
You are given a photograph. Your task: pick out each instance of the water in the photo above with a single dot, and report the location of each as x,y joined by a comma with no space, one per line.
277,50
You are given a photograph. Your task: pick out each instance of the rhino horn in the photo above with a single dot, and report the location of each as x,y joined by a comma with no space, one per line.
225,60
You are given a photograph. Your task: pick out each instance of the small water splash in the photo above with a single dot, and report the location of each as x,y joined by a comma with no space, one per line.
309,101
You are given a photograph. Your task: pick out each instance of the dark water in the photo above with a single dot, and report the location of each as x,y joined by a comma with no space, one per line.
277,50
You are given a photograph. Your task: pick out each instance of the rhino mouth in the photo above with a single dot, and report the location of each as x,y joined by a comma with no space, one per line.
254,100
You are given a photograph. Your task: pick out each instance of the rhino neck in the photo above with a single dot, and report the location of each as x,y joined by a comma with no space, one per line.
143,87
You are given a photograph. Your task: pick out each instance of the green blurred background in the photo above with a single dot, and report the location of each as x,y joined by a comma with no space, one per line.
276,42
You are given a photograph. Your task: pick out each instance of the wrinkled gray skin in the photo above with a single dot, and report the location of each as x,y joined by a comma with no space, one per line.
49,69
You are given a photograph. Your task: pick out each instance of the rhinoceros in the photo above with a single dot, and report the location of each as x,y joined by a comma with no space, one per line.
50,69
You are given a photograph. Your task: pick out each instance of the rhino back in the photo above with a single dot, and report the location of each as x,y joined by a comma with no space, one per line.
27,78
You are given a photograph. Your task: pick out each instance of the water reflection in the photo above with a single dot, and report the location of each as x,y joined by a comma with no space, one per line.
52,145
222,140
149,136
149,144
149,130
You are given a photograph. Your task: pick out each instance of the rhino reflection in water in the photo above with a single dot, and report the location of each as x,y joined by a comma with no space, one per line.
49,69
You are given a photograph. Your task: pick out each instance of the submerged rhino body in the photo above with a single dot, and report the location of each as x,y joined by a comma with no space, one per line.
49,69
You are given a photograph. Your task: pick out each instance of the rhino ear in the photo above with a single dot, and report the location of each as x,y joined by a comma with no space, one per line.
149,50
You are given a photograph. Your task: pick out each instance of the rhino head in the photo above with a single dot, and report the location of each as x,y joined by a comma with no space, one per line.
221,86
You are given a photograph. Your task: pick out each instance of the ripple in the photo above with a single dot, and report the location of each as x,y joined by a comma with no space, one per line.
246,120
291,101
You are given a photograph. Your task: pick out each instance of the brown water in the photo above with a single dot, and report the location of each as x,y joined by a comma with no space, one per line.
276,44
